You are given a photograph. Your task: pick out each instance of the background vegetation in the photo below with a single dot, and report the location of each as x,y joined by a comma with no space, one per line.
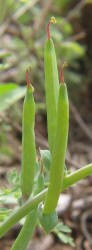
22,37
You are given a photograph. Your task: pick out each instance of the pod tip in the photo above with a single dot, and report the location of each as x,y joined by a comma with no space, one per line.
61,73
29,85
52,20
27,78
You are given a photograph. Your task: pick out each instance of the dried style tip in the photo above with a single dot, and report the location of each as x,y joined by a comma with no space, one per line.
27,78
61,73
52,20
29,85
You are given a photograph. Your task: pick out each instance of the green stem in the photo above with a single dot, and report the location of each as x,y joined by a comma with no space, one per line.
26,231
19,213
33,203
77,176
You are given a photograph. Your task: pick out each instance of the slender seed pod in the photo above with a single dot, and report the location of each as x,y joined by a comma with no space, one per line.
26,232
51,85
60,145
28,142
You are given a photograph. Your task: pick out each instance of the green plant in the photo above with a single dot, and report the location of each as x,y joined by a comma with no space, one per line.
52,86
59,149
26,48
28,142
32,208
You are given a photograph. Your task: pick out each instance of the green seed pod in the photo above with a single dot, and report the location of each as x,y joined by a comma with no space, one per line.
51,85
28,142
59,152
26,231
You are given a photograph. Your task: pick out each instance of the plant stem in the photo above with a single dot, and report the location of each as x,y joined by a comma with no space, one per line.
26,231
19,213
32,203
78,175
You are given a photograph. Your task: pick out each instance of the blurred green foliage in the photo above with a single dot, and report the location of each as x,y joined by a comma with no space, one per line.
22,41
13,196
9,94
22,38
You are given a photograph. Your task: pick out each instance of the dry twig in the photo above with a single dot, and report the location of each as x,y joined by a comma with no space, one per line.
43,244
4,27
80,121
86,215
23,9
78,36
40,21
75,10
16,15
